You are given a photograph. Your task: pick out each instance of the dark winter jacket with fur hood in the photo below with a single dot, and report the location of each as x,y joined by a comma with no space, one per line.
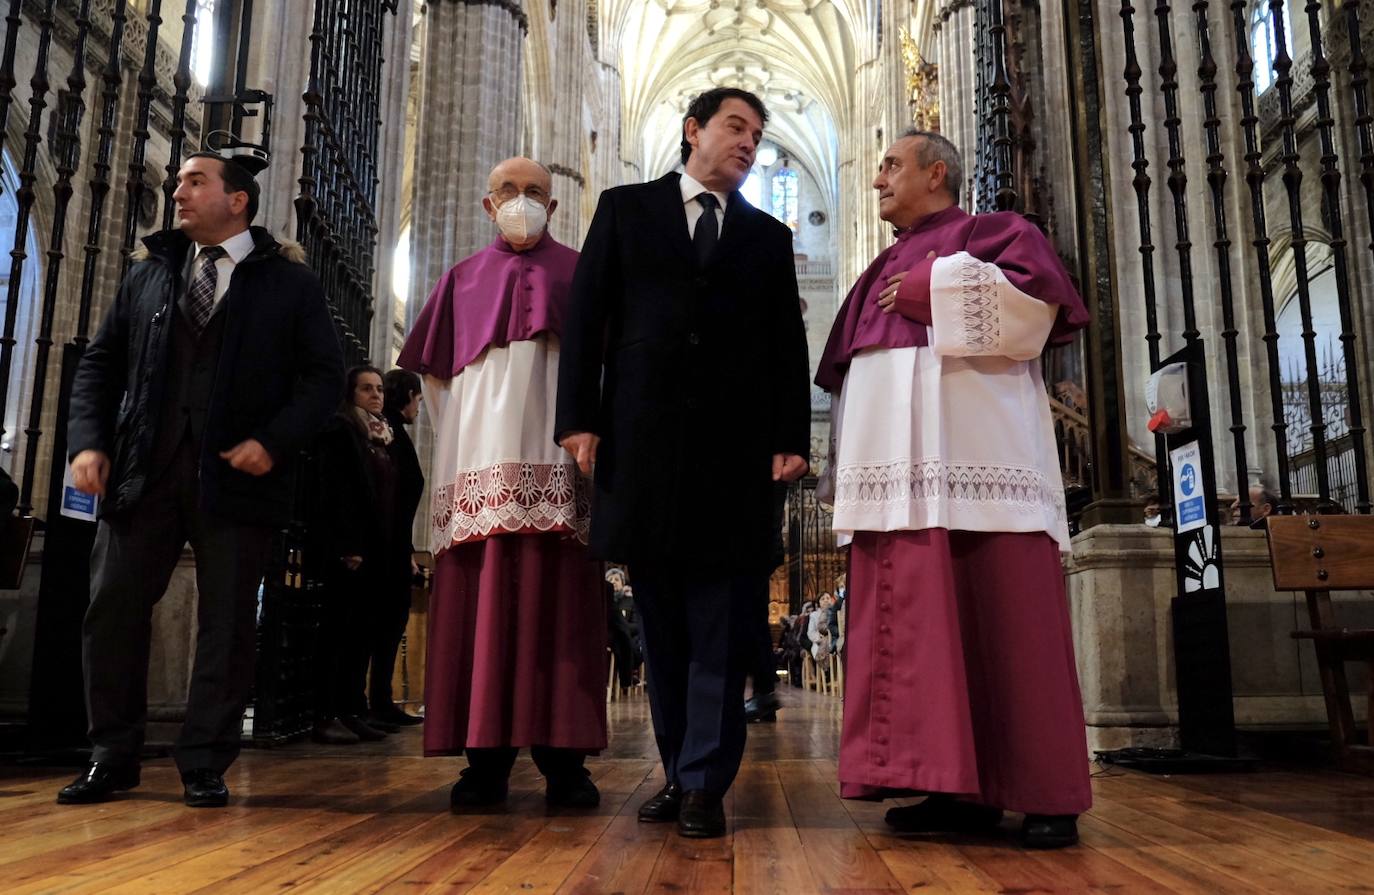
278,378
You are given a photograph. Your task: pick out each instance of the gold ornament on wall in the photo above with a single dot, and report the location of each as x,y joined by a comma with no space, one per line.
922,85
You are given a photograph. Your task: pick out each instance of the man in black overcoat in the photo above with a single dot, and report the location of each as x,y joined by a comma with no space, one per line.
683,377
216,363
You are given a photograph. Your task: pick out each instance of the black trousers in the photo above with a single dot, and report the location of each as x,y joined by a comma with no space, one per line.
343,640
764,671
132,562
700,642
390,613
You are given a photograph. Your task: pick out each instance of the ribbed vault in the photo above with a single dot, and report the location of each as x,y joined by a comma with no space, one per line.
799,55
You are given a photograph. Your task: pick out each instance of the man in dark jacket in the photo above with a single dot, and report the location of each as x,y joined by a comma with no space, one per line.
216,363
683,372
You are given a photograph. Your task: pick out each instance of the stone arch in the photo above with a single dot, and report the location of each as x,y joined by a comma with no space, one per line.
29,296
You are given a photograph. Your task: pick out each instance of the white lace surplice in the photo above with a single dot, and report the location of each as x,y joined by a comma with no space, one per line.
496,468
957,435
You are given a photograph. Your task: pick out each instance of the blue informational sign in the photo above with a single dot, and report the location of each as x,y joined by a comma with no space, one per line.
1189,503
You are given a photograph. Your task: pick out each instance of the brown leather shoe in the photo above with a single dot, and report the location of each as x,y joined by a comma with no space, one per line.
702,815
663,807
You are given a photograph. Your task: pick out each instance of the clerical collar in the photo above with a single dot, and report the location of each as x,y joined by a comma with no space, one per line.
935,219
501,245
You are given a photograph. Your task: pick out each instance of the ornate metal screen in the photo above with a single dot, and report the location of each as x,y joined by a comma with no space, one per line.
336,209
337,224
89,180
814,564
1319,448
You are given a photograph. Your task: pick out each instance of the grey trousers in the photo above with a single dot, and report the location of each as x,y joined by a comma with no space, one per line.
132,562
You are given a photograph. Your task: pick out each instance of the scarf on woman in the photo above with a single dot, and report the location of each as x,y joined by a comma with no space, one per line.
376,427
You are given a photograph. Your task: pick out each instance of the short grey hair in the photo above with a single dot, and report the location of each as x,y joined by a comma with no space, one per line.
937,148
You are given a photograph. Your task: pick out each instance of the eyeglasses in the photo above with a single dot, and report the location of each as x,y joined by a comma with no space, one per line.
534,193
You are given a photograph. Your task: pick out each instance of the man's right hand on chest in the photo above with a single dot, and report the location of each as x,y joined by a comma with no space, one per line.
90,471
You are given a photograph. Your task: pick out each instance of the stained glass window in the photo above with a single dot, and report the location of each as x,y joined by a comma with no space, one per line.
785,197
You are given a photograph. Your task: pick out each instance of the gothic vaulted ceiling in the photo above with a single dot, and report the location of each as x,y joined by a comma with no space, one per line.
799,55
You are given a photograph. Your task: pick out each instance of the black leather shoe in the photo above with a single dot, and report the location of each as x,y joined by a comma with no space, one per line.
381,724
941,814
331,732
702,815
1049,830
475,791
392,714
204,788
762,707
365,732
574,790
98,782
663,807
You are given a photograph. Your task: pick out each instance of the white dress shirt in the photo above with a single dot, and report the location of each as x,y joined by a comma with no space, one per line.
236,248
691,188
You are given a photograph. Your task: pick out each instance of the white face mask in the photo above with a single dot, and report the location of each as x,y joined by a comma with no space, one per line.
521,219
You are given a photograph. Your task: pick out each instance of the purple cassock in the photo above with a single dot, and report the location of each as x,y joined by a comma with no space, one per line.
494,297
960,674
517,624
1004,238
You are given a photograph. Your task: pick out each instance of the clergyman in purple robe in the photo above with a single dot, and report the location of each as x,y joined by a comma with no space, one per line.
517,627
961,681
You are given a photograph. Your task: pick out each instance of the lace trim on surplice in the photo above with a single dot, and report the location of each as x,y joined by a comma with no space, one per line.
1016,489
978,323
515,496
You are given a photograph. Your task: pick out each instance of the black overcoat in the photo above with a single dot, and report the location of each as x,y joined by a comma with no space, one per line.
348,518
279,376
692,377
410,487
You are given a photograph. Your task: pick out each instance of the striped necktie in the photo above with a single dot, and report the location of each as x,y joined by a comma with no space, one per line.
200,301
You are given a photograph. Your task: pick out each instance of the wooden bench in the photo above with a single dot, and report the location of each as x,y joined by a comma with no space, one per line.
1319,554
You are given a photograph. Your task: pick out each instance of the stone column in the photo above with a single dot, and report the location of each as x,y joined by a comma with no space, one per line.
282,67
572,73
958,117
469,121
607,166
391,163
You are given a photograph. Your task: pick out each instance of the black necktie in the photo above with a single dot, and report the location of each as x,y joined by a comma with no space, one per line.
708,229
200,301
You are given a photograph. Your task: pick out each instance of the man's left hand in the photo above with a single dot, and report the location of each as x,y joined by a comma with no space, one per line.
249,456
788,467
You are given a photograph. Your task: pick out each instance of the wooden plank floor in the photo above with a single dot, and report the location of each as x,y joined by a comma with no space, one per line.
307,818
